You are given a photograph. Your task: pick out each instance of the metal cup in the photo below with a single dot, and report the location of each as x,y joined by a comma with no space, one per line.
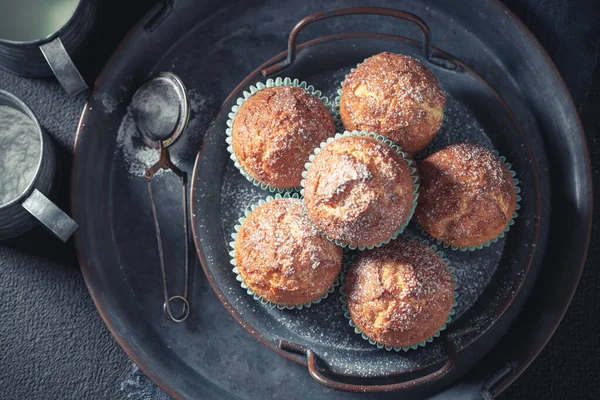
52,54
21,214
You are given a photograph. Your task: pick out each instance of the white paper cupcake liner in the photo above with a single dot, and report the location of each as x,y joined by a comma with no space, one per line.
373,342
252,89
398,150
336,101
501,235
239,278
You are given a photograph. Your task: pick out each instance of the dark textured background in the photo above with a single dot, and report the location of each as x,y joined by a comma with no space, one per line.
53,344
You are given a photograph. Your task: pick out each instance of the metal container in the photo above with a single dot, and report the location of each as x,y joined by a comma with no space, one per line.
54,54
22,213
213,46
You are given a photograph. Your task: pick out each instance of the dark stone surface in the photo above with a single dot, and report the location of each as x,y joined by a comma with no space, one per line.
53,344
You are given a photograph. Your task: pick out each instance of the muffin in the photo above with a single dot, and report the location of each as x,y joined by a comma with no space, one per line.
276,130
467,195
399,295
359,191
395,96
282,257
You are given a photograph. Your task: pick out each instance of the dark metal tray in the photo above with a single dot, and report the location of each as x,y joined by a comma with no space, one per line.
209,355
475,113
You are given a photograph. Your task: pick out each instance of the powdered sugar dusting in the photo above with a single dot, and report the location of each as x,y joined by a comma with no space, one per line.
276,130
282,256
325,327
473,270
467,195
396,96
352,187
335,341
399,294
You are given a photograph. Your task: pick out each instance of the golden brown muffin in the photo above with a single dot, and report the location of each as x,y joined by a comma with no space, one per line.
467,195
400,294
396,96
282,256
276,130
358,190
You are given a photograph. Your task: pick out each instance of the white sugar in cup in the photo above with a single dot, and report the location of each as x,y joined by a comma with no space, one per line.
28,173
21,150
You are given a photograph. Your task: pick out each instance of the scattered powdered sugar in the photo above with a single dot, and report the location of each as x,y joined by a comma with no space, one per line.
19,153
459,125
108,102
138,156
347,172
422,272
328,332
329,82
237,195
393,76
473,272
323,326
308,323
472,165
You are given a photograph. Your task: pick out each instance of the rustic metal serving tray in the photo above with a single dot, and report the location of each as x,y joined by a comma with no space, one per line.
501,97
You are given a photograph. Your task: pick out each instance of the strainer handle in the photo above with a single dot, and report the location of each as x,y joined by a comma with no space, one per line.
390,12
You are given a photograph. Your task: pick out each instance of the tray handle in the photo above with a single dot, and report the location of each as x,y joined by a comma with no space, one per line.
390,12
314,372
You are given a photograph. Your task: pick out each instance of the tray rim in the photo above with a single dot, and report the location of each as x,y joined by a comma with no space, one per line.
551,327
133,353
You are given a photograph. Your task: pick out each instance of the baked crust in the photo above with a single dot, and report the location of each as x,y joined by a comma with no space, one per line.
358,190
467,195
399,294
395,96
276,130
282,256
